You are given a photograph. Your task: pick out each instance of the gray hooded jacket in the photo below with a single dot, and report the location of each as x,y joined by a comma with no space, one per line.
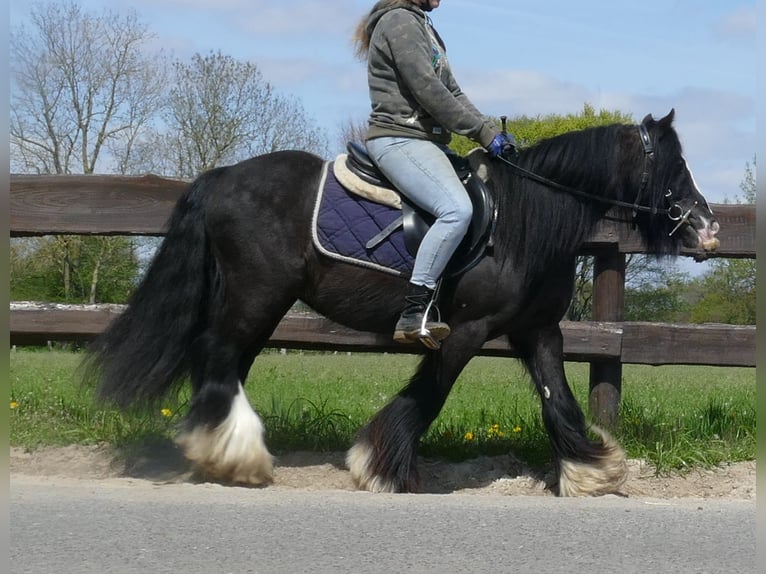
412,90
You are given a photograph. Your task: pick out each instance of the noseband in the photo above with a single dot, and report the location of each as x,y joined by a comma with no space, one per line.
675,212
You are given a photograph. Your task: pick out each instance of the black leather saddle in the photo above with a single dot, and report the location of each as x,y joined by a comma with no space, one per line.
416,222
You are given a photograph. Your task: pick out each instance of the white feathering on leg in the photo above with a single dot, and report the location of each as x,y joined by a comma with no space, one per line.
358,462
235,450
606,476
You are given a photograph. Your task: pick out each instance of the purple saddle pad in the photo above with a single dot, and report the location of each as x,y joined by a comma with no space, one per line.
343,223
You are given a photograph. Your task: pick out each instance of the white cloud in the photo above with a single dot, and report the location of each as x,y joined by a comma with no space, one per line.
715,126
738,26
514,92
267,17
291,73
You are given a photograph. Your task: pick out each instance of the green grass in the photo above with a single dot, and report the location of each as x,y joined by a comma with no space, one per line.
675,417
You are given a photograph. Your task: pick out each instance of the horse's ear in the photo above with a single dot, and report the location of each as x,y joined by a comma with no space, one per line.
667,121
648,119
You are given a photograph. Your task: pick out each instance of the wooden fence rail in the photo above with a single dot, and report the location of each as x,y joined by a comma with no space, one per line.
124,205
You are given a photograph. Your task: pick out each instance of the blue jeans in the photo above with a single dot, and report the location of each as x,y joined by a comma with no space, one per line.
421,171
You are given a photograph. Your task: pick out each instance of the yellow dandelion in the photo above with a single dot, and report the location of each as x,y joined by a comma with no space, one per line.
494,430
166,412
468,436
517,429
14,405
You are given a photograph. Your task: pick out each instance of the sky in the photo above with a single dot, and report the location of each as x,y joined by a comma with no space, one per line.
511,58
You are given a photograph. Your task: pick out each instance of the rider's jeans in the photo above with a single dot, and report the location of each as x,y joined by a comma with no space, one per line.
422,172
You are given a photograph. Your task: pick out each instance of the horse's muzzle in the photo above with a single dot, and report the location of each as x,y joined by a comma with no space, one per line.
707,236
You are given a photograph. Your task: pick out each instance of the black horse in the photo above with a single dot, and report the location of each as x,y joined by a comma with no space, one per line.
238,253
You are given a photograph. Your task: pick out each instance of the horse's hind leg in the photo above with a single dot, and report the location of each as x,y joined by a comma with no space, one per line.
584,466
222,435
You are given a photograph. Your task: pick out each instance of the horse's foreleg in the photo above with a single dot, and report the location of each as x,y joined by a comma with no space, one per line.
222,435
584,466
384,455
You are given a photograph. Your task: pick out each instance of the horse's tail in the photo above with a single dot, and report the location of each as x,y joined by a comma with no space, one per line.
146,351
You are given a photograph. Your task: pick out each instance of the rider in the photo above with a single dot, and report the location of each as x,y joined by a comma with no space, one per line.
416,105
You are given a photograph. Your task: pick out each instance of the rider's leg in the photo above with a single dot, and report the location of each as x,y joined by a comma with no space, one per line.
423,173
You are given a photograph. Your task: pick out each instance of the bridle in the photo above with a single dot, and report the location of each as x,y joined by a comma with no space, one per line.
675,212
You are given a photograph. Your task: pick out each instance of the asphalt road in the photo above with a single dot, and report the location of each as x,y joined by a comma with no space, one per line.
125,526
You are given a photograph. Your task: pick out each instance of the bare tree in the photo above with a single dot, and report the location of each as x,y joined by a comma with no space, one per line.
352,130
221,110
582,297
81,82
83,91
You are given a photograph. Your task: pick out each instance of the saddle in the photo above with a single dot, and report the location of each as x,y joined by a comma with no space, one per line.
415,222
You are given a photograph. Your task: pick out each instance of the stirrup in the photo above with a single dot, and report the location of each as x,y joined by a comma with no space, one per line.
425,336
429,342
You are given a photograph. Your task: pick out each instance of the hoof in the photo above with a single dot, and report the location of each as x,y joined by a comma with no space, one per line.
234,452
606,475
359,462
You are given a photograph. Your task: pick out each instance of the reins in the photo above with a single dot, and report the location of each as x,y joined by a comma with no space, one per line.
675,212
646,141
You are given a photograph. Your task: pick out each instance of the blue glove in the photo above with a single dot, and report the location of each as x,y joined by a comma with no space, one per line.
502,144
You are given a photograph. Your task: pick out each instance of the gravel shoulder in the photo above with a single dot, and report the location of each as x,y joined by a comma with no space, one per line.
326,471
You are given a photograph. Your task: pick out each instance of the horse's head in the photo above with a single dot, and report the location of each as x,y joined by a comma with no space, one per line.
686,217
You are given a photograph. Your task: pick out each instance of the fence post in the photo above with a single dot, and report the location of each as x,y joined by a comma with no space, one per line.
608,305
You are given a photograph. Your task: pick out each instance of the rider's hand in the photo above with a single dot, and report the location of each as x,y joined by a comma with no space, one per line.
502,144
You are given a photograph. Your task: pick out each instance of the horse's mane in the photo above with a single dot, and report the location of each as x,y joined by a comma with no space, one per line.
540,226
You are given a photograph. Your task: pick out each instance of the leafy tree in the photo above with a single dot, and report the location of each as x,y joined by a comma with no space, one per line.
729,287
659,302
748,184
37,272
530,130
729,295
655,290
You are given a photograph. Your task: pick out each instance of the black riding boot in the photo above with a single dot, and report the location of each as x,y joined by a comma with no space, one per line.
417,323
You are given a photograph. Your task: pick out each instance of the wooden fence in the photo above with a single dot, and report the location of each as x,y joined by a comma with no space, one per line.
120,205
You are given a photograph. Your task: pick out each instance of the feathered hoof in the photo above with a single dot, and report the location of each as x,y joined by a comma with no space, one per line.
359,462
606,475
225,461
234,452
